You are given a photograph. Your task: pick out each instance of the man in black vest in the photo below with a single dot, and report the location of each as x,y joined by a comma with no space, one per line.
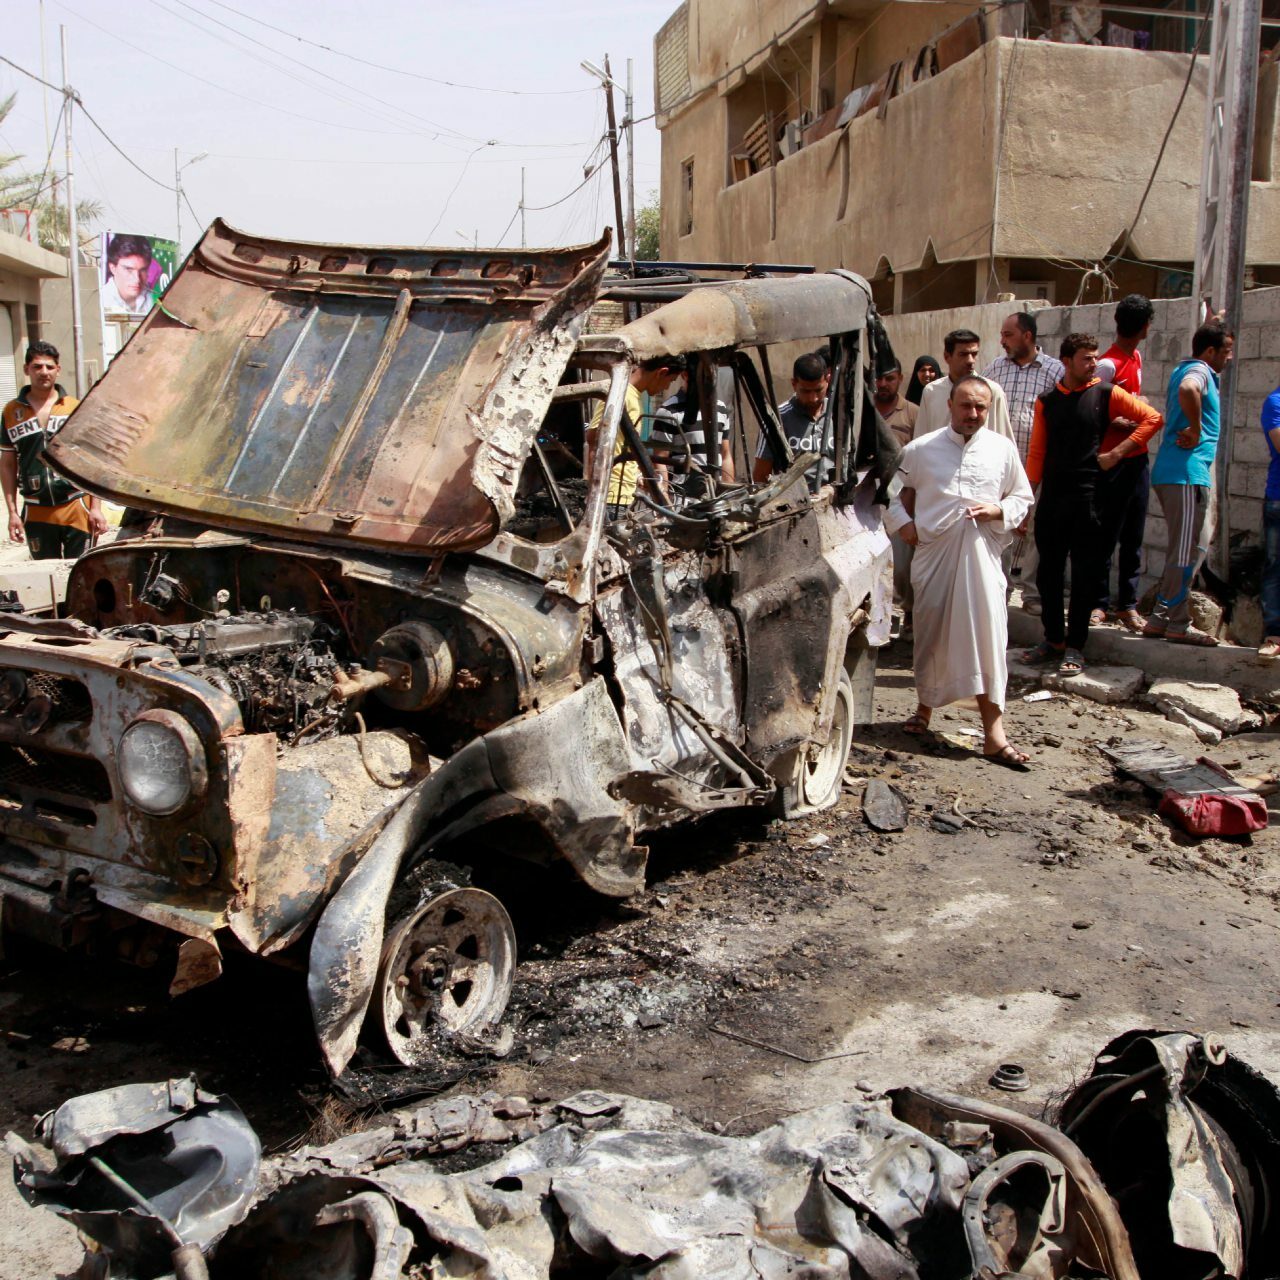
1064,460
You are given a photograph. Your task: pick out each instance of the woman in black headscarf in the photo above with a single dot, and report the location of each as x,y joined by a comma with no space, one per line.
931,369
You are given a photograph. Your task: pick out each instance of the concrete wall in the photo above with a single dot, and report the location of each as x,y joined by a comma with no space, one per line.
1256,374
920,333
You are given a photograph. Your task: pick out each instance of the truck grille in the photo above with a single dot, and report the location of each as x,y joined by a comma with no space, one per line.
51,773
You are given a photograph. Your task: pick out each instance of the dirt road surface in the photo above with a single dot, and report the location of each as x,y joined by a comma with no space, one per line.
1061,912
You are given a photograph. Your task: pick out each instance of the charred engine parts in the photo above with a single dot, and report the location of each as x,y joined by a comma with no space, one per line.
1011,1077
418,658
916,1185
1187,1139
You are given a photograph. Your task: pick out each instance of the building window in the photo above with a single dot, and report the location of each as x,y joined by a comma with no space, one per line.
686,197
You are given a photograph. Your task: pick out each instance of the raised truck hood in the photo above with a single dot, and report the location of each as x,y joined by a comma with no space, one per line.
379,397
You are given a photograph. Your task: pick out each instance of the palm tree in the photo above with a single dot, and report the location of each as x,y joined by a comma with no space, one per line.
38,193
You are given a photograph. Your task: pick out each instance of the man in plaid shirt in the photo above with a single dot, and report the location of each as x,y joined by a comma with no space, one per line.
1025,373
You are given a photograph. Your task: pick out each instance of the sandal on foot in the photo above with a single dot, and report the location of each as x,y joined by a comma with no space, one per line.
1072,663
1154,630
1269,648
1097,617
1010,758
917,726
1042,653
1192,636
1132,621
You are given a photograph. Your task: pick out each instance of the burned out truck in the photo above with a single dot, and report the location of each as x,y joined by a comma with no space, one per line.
389,627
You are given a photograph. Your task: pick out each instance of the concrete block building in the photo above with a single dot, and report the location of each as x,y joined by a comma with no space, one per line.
949,153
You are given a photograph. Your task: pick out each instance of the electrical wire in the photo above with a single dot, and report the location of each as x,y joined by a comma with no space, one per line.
41,187
88,115
415,75
1168,133
273,62
453,191
235,93
276,54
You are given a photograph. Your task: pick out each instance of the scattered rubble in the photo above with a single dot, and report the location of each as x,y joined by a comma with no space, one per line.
1098,684
891,1187
1202,796
1210,704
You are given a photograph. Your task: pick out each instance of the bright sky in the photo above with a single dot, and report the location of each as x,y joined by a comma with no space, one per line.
312,145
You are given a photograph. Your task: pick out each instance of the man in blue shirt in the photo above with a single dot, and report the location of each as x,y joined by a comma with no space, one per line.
1271,530
1182,476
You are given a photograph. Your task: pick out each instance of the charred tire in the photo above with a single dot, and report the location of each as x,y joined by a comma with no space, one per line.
814,773
448,963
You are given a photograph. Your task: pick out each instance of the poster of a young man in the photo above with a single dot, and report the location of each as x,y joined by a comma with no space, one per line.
135,271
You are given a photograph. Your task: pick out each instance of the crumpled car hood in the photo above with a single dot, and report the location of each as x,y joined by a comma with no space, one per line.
381,397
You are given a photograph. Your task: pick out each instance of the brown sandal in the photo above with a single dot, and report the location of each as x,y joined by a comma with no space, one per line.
1132,621
917,726
1010,758
1200,639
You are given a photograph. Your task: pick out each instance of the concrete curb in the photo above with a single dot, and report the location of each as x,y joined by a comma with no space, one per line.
1228,664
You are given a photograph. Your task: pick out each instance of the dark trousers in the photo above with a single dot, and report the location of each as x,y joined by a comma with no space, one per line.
55,541
1067,527
1121,499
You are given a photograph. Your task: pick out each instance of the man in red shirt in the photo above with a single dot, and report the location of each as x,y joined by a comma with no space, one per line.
1124,491
1066,459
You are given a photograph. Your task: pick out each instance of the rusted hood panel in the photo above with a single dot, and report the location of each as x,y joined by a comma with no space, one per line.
381,397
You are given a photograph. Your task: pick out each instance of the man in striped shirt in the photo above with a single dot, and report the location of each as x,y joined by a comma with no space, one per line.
678,446
1025,373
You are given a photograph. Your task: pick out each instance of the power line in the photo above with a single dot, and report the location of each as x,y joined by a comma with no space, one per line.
120,150
274,63
452,192
213,84
1155,168
414,75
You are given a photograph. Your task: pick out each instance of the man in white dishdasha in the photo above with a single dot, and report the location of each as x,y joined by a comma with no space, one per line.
964,492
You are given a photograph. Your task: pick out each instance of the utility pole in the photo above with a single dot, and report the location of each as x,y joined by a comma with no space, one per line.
607,80
522,240
630,105
177,189
1218,282
73,231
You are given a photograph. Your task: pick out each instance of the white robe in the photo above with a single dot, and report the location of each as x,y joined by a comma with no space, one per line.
935,412
960,617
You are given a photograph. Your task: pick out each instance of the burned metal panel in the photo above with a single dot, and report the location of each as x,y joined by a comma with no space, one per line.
751,313
377,397
327,802
785,598
665,638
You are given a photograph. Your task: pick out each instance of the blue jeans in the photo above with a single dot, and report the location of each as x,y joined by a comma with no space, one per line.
1271,573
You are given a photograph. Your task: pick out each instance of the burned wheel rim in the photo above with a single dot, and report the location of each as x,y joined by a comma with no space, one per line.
446,967
822,767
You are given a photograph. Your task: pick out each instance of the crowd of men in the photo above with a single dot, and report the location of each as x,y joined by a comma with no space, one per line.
1038,469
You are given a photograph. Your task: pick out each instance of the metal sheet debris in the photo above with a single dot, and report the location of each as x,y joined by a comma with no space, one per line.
1201,795
907,1186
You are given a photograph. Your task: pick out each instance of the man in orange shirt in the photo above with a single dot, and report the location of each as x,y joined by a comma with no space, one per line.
1066,460
58,519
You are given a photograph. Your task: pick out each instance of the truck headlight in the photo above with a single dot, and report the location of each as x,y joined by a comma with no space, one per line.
162,762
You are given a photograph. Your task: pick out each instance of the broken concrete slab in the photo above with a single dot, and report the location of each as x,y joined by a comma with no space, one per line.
1224,664
1098,684
1204,732
1210,703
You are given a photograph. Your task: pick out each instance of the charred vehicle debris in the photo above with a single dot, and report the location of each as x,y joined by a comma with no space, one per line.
389,627
1163,1163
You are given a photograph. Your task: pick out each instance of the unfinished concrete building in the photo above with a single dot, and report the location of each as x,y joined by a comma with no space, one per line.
950,154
